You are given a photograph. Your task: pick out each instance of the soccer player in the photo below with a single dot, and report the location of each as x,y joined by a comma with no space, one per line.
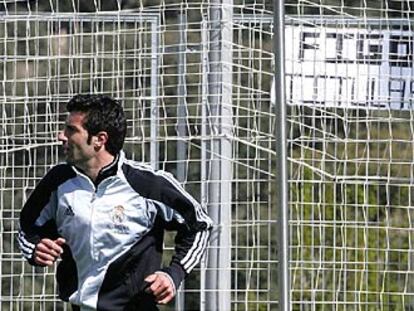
105,216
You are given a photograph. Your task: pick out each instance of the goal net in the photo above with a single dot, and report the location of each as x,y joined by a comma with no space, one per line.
46,60
197,103
349,76
196,79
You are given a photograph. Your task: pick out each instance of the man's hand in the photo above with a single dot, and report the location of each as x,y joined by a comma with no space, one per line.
48,251
161,286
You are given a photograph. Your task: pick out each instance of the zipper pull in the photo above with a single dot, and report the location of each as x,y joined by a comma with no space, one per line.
93,197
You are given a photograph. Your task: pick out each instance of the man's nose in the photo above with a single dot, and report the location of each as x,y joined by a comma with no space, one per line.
61,136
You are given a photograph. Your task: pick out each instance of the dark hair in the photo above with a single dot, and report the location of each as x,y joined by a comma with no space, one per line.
102,114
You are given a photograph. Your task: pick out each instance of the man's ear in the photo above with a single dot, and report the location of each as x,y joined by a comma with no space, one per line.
101,140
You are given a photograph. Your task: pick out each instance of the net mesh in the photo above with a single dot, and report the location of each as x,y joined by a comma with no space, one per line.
349,79
155,58
349,74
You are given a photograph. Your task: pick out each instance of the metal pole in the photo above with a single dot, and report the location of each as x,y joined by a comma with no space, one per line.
218,277
281,154
213,191
204,162
154,120
181,101
226,152
181,124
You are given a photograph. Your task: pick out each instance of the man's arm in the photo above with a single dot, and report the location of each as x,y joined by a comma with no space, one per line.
184,214
180,212
190,245
38,238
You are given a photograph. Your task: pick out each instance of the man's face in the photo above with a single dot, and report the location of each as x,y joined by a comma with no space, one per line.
74,137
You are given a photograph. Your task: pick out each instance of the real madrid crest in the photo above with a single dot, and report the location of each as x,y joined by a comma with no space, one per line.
118,218
118,214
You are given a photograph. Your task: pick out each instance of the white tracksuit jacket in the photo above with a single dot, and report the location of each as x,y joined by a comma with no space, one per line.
113,230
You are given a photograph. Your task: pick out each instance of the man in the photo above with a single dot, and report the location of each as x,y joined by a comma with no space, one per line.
104,216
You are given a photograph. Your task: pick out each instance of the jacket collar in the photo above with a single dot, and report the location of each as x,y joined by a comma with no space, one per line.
107,171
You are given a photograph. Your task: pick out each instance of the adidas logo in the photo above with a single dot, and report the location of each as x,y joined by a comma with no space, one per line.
69,211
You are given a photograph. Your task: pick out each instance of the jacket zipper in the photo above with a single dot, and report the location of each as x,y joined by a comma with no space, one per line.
91,231
92,235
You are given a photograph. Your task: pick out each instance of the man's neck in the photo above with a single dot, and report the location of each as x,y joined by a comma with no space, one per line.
95,165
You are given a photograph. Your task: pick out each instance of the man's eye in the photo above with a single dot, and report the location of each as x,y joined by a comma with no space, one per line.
69,129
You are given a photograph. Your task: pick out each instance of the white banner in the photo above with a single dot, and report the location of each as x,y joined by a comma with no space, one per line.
334,67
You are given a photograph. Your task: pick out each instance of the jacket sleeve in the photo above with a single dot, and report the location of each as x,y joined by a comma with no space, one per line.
185,215
179,211
37,215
